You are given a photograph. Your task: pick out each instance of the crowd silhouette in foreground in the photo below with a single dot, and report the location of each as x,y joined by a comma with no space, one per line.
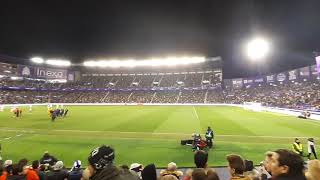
280,164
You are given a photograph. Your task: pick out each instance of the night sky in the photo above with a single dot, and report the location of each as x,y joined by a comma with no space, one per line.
78,30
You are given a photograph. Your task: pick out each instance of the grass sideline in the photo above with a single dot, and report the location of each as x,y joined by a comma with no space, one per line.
149,134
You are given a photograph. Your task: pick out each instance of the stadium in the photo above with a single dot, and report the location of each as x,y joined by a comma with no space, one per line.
169,113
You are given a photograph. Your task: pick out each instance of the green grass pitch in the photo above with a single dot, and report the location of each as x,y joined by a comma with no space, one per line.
149,134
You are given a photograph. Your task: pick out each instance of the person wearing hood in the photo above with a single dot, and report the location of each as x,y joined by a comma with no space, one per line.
149,172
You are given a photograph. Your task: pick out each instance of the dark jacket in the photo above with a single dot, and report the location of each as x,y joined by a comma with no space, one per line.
48,159
149,172
57,175
42,175
75,174
111,173
16,177
285,177
128,174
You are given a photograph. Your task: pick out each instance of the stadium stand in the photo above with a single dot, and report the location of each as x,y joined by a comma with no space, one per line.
166,97
141,97
292,95
117,97
192,97
295,89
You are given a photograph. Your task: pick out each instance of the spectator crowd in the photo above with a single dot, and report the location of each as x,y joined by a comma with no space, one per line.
280,164
288,96
187,88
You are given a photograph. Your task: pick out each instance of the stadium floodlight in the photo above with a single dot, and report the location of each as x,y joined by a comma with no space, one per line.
258,48
130,63
90,63
37,60
58,62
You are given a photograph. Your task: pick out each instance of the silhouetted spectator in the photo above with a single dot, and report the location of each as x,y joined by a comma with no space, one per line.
149,172
58,172
48,159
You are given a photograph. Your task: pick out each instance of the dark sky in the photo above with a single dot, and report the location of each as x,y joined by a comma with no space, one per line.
78,30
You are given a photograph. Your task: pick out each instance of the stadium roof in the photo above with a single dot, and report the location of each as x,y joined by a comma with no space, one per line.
78,30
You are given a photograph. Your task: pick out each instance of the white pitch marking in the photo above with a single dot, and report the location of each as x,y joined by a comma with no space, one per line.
160,133
195,111
18,130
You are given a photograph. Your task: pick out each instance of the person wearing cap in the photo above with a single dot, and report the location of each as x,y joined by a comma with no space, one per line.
311,148
76,172
101,165
48,159
136,168
7,170
297,147
171,170
58,173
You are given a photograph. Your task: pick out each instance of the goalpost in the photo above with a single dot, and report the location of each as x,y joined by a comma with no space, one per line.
253,106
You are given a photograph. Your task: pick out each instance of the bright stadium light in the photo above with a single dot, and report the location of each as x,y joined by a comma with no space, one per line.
258,48
90,63
130,63
37,60
58,62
